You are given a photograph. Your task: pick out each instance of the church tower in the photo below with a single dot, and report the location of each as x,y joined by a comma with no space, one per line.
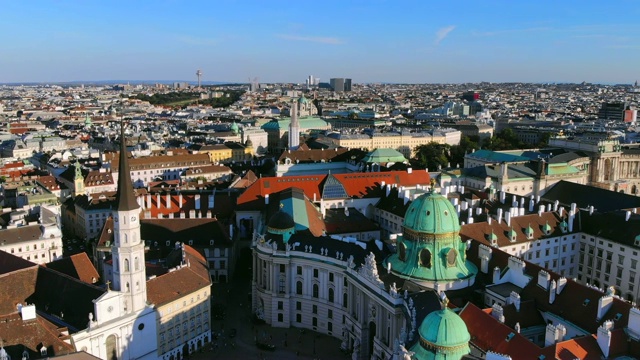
78,180
129,275
294,128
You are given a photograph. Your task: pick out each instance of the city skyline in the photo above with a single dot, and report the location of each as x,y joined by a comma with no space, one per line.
377,41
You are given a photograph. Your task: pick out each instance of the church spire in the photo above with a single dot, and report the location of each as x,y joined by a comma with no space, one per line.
126,199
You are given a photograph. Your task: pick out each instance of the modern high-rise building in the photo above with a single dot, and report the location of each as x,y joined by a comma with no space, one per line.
340,84
613,111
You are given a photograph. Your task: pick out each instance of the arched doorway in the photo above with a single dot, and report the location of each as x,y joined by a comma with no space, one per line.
112,347
607,169
372,334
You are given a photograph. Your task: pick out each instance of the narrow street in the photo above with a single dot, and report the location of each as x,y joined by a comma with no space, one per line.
289,343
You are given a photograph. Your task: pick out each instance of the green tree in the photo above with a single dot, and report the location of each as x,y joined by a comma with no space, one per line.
432,155
505,140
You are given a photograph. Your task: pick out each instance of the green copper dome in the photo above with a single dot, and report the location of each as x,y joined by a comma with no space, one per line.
431,213
430,252
443,335
234,127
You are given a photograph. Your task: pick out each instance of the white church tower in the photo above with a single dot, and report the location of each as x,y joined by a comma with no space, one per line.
129,275
294,127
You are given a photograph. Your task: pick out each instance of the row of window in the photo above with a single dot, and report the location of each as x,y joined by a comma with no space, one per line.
35,247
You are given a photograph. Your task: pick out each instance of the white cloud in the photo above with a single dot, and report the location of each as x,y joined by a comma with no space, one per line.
315,39
442,33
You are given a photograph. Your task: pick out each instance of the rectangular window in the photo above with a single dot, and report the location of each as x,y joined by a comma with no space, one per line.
315,273
315,321
330,314
298,305
280,305
314,309
331,277
282,268
299,270
298,318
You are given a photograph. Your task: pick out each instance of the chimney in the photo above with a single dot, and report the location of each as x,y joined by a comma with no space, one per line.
521,211
555,205
180,200
552,292
266,199
499,216
231,231
387,190
507,218
197,201
554,334
531,205
543,279
489,220
634,322
627,215
573,207
496,275
497,312
562,282
406,196
591,210
503,196
517,327
28,312
168,197
561,211
572,217
604,304
604,337
158,200
409,170
148,201
514,299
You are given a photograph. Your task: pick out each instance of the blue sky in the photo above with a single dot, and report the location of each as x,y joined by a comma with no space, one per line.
285,41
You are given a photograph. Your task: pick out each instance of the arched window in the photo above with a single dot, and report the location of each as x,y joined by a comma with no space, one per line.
126,265
451,257
402,251
127,288
136,264
315,290
126,238
111,346
425,258
299,287
331,294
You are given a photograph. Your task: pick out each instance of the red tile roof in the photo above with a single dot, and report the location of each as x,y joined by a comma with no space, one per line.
357,185
77,266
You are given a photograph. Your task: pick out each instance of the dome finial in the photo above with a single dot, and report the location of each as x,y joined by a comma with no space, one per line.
433,185
281,205
444,301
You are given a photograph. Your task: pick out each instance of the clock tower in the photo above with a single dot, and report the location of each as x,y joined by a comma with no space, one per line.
129,275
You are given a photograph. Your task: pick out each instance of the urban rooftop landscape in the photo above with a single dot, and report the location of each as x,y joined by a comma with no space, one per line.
337,180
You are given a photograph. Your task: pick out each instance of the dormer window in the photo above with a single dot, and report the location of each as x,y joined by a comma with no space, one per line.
425,258
529,232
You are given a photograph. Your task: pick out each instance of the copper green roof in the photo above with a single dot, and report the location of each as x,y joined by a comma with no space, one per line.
443,335
384,156
430,249
431,213
306,123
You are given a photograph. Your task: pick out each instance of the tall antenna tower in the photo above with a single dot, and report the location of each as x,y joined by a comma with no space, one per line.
199,75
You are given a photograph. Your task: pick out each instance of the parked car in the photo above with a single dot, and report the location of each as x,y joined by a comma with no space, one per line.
265,346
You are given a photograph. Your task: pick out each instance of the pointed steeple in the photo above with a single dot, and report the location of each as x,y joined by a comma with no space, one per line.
126,199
